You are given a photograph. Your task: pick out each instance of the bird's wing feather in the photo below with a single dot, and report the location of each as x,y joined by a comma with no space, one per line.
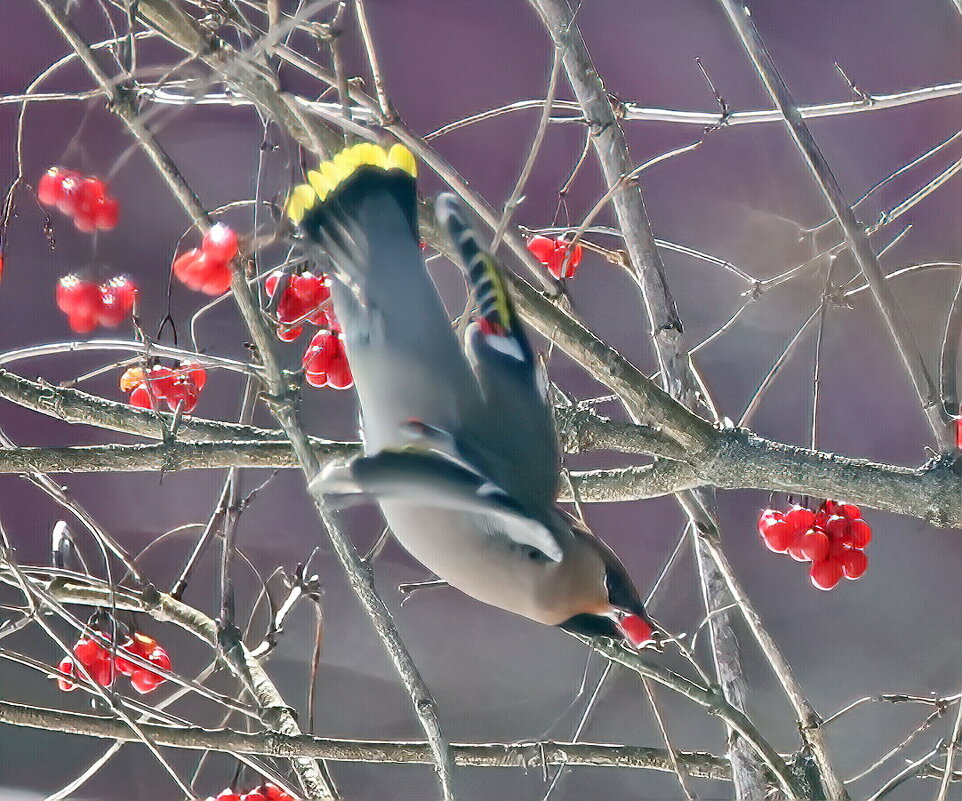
427,478
522,435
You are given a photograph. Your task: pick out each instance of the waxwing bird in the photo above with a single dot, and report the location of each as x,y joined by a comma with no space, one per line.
460,448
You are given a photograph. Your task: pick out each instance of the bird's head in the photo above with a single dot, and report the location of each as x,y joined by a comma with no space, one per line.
621,614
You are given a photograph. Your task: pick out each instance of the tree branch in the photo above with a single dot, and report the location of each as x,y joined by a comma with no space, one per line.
527,755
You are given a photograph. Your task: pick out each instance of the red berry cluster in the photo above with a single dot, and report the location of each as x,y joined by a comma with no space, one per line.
552,254
103,666
82,197
179,386
832,538
266,792
325,360
301,301
88,304
207,268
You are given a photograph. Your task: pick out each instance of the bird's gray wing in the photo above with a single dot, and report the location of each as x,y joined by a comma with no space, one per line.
521,442
429,479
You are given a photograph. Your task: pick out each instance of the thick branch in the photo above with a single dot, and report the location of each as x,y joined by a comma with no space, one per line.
527,755
733,459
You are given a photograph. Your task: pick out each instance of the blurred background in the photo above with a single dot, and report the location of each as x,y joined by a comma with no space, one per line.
743,196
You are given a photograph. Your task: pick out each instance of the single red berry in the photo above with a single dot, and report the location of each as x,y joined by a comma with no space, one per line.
562,265
50,187
81,301
196,373
71,183
161,380
90,195
220,243
218,282
66,666
107,213
837,527
800,518
635,630
815,544
541,248
285,334
183,393
854,564
860,532
124,666
777,534
270,283
958,420
850,511
140,397
116,300
825,574
144,681
89,652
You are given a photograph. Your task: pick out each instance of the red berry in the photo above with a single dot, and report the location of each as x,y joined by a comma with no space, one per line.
183,393
854,564
837,527
778,535
81,301
140,397
800,518
795,551
116,300
325,362
143,681
285,334
66,666
161,380
107,213
124,666
558,267
71,183
254,795
270,283
228,795
958,420
197,374
89,652
50,187
220,243
860,532
635,630
825,574
274,793
850,511
541,248
815,544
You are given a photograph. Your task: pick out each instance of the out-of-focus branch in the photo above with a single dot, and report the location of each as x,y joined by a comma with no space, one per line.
634,112
854,231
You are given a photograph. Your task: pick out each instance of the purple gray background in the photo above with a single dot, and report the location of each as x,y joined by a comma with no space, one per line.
741,196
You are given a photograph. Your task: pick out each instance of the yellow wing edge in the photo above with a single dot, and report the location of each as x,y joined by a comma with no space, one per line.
332,173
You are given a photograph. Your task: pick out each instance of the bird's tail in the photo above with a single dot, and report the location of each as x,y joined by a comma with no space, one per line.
495,310
332,207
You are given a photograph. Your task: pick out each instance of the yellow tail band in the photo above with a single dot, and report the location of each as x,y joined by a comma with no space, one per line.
331,174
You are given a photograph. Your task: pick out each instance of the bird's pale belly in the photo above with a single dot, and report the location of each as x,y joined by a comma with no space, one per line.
488,568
